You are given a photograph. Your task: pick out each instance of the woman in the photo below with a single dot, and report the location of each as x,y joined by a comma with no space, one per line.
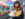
17,13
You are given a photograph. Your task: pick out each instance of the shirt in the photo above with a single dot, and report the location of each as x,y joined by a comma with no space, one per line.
17,13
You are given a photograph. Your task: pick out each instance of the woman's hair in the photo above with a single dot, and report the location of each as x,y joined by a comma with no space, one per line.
16,3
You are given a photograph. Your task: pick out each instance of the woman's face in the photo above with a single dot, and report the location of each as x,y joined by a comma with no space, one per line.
17,5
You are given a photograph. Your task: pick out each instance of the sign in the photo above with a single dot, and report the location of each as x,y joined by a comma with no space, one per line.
8,2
